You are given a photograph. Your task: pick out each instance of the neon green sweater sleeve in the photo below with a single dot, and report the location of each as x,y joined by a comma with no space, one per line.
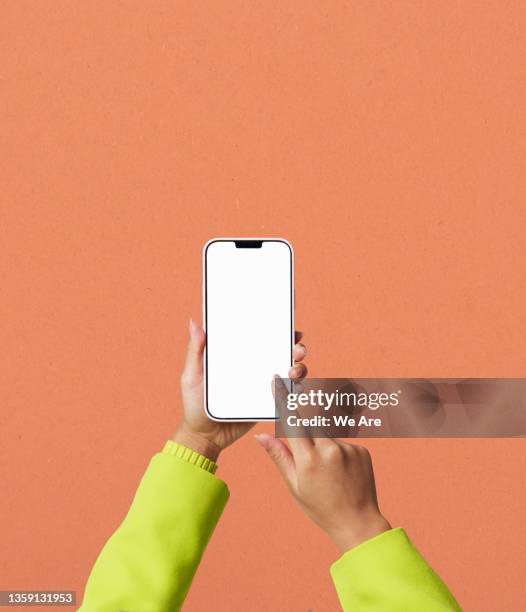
148,564
388,573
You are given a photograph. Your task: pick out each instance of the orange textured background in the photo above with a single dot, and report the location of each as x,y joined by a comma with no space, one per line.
386,140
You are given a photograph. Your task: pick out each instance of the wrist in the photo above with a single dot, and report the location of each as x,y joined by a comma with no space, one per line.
358,531
196,442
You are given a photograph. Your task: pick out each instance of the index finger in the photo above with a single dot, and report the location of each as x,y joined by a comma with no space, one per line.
301,443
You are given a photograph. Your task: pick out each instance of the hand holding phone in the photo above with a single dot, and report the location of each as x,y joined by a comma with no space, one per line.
196,430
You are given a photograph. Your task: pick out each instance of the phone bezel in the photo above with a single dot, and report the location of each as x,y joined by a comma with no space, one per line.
205,318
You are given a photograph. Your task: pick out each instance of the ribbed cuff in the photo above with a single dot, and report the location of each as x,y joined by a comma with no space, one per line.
190,456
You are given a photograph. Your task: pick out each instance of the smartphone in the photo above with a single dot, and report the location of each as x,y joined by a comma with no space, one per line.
249,322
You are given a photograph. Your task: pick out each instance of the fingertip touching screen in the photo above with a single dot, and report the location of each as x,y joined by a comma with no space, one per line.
248,304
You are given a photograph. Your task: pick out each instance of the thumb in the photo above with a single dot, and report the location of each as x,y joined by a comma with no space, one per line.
193,367
280,454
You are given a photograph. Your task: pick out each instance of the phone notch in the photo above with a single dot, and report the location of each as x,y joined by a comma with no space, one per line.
248,244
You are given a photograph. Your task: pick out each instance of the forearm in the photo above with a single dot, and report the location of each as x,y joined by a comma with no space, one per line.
150,561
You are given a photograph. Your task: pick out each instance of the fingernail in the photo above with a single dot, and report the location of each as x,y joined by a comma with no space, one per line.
302,347
296,371
263,439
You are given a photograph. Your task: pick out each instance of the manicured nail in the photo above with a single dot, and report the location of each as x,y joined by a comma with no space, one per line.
302,347
264,439
296,371
192,326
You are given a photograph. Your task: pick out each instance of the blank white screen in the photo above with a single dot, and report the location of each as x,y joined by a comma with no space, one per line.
248,316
